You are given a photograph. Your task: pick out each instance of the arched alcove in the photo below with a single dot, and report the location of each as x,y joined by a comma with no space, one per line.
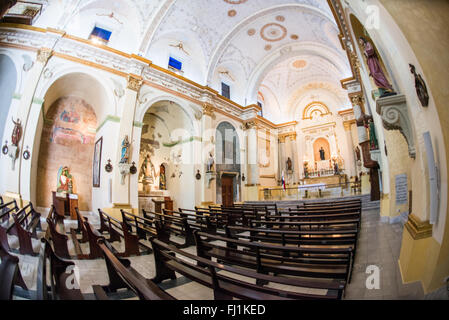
317,145
7,87
227,164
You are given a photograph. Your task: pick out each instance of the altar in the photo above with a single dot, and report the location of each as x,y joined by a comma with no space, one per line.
155,201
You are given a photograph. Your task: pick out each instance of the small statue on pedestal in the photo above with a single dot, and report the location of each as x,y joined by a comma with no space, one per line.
210,163
125,150
65,181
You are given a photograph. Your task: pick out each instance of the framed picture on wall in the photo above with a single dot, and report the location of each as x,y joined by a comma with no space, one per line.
97,163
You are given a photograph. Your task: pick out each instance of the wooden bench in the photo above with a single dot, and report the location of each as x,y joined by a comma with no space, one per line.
202,222
109,225
59,273
333,263
26,222
6,209
124,229
169,259
309,224
10,274
122,275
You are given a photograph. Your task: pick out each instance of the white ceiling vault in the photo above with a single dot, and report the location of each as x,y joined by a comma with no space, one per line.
260,48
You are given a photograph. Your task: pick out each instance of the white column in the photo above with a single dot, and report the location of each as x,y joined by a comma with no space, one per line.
121,192
253,163
209,191
351,152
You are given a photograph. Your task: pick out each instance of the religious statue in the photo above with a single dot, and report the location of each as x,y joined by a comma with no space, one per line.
336,169
162,180
421,88
289,165
65,182
322,154
147,170
210,163
374,145
376,72
306,171
125,150
357,152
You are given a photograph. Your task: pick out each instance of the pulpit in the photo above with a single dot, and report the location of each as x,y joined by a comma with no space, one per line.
65,204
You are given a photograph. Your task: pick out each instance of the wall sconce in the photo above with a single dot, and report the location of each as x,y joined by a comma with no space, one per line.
198,175
133,169
243,177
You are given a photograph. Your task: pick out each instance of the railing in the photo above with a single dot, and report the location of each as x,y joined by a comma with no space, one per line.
301,192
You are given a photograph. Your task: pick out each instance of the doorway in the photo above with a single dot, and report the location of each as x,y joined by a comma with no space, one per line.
227,191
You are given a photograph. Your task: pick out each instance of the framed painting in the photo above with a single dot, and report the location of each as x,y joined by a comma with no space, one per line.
97,163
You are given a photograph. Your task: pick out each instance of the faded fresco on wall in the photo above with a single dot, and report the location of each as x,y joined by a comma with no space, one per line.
68,139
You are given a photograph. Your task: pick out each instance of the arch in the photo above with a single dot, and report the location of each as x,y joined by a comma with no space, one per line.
315,107
8,84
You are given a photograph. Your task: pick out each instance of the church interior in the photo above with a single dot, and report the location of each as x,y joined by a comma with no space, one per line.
224,149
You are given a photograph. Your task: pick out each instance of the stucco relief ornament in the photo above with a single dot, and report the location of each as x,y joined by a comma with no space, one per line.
44,54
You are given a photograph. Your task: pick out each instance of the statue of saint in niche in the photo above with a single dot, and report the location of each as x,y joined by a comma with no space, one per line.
65,181
376,72
147,170
125,150
322,154
162,178
289,165
210,163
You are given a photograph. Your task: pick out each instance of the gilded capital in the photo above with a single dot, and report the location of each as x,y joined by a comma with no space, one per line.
291,135
134,83
358,100
43,54
250,125
208,109
348,124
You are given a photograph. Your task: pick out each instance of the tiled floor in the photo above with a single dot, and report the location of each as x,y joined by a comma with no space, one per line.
378,245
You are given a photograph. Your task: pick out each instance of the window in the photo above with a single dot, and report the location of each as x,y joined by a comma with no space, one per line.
225,90
261,108
175,64
100,35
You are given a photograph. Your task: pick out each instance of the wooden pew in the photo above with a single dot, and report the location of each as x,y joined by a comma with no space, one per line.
6,209
168,223
123,229
26,222
58,273
122,275
10,274
169,259
308,224
333,263
333,203
108,224
203,222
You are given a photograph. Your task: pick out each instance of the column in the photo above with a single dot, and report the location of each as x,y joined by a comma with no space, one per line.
121,192
209,186
253,167
22,117
350,144
295,159
282,157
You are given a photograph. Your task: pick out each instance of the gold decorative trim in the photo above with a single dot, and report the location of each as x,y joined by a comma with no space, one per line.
417,229
250,125
309,109
291,135
348,124
357,100
208,109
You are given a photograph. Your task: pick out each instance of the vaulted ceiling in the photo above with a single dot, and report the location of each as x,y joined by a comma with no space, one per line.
258,47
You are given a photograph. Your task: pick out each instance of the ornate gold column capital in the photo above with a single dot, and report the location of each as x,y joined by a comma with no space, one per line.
250,125
134,82
291,135
208,109
358,100
44,54
348,124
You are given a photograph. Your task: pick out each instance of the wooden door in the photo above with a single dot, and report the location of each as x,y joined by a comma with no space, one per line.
227,191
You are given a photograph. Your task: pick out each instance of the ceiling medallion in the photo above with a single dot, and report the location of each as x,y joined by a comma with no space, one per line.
299,64
251,32
294,37
280,18
235,1
273,32
268,47
232,13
